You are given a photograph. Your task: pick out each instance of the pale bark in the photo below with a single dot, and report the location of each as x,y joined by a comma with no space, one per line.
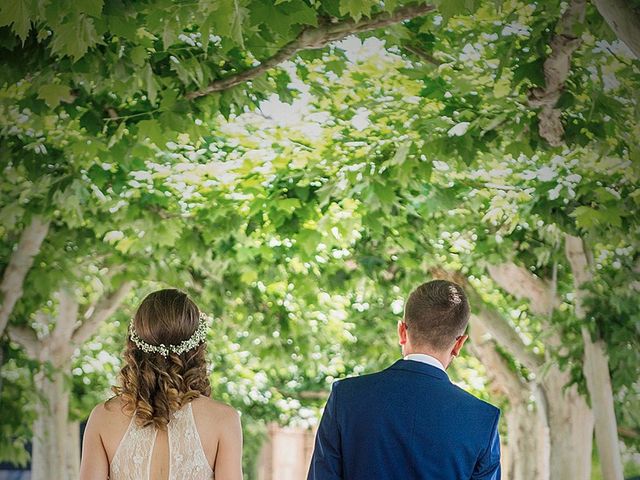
624,20
56,442
596,368
20,262
556,71
26,338
505,334
72,454
521,283
527,429
569,417
50,447
106,307
316,38
570,428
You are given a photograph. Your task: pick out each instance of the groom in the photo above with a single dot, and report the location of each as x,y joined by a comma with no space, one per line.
409,422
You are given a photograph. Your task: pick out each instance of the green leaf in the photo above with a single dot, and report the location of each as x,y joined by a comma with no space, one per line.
300,13
170,32
450,8
74,38
228,19
150,83
587,217
90,7
288,205
357,8
138,55
249,276
150,129
401,153
18,14
53,94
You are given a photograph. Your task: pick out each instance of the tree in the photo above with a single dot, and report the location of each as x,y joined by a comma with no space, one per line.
302,243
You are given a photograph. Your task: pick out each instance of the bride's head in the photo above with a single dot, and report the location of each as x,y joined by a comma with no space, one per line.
165,358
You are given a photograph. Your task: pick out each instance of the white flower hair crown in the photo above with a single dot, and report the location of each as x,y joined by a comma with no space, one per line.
196,339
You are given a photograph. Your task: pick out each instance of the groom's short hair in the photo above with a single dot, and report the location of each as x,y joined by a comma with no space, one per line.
436,313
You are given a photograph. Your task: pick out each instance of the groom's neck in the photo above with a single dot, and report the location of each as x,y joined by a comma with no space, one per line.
442,358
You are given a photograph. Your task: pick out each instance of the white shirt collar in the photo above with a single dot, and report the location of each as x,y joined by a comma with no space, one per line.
424,358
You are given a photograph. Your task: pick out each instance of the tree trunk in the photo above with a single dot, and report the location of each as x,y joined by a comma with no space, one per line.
52,449
528,441
56,441
570,428
527,430
596,371
624,20
596,368
72,463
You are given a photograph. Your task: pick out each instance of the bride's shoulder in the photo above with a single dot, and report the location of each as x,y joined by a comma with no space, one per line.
214,410
107,415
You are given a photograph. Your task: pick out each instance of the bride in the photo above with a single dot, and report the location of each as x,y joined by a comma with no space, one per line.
162,424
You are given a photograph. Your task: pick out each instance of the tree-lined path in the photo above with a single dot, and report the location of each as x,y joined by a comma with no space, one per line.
298,166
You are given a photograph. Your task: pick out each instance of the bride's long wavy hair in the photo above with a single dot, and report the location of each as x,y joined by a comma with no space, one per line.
153,387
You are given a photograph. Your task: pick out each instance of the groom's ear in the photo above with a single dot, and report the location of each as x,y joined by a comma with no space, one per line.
458,345
402,332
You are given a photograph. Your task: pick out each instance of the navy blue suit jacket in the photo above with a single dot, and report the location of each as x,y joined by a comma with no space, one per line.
408,422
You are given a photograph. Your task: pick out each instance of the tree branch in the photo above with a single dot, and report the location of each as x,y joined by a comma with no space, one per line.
576,254
556,70
19,264
624,20
424,56
505,334
107,305
521,283
67,317
25,337
631,433
503,378
315,38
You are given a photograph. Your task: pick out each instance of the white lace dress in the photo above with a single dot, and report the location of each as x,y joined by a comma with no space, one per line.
132,459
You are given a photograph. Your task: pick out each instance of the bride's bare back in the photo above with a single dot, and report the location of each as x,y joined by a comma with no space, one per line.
214,448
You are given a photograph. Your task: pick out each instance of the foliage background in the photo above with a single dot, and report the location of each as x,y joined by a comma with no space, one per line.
301,228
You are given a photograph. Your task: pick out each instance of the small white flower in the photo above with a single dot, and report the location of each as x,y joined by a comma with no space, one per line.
515,28
611,82
459,129
491,37
397,306
470,53
546,174
554,193
113,236
360,120
141,175
441,166
574,178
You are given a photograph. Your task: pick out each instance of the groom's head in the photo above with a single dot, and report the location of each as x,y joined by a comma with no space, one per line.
435,318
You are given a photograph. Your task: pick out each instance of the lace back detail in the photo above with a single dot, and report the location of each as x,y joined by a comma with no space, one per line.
187,455
187,459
